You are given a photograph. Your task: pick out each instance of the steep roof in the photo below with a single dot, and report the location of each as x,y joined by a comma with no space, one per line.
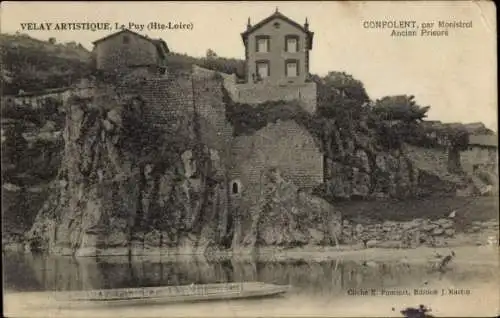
160,44
279,15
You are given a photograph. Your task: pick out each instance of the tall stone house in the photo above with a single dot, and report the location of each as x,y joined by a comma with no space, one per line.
277,51
126,51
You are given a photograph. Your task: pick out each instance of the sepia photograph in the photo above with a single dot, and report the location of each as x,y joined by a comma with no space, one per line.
249,159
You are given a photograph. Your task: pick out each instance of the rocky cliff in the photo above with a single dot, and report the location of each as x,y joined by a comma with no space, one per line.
122,186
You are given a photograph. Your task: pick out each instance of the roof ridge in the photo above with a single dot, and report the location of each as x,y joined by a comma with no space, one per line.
283,17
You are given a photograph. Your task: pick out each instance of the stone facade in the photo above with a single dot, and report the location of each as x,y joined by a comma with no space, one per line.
126,50
276,30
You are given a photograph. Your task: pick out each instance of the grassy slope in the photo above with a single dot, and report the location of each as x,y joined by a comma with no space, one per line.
31,65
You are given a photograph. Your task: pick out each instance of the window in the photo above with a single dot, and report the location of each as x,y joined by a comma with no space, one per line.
292,68
292,43
262,44
262,69
126,39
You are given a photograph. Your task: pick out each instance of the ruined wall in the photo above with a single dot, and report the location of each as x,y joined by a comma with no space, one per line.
486,156
284,145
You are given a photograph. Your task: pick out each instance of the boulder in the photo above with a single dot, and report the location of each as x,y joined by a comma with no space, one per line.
437,231
107,125
410,225
359,228
449,232
317,236
372,243
429,227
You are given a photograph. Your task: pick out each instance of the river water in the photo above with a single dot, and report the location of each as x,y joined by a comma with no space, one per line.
327,288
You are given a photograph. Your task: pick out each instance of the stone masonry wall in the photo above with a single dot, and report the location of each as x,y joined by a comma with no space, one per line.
418,232
399,234
284,145
175,100
251,93
216,131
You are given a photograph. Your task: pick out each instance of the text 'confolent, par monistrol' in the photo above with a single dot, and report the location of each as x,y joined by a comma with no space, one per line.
413,28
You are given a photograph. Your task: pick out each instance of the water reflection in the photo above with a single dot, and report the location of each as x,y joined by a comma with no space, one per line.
26,272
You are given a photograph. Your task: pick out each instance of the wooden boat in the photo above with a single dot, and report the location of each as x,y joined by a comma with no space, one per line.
168,294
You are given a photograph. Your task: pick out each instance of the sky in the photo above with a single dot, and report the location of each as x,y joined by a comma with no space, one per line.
455,74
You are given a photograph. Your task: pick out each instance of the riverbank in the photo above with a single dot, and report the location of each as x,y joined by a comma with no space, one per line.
473,255
461,245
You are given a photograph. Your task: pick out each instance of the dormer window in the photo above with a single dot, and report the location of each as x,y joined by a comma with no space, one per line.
262,44
292,43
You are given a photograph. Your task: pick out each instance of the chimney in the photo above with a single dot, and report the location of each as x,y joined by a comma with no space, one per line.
306,25
248,24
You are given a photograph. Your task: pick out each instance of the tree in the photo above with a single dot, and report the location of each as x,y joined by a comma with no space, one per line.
400,107
340,96
211,54
398,119
52,40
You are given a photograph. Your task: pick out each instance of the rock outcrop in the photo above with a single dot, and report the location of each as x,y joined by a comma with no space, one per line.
285,216
359,166
122,187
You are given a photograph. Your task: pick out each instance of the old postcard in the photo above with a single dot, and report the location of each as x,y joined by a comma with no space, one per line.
249,159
